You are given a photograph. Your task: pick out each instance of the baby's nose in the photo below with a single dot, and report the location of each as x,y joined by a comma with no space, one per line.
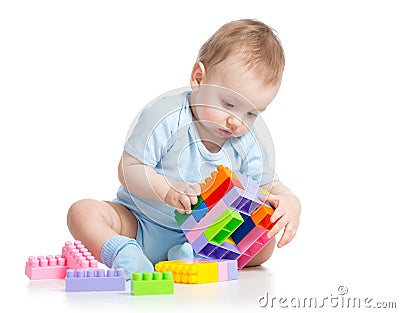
233,123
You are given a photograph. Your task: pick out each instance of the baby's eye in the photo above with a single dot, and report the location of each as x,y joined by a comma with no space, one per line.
251,114
228,105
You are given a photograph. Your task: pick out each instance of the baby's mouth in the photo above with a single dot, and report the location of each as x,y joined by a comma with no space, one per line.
225,133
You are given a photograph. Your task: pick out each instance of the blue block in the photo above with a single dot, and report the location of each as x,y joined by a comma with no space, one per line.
200,212
243,229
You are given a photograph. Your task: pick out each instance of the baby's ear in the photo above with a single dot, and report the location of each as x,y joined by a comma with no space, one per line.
197,76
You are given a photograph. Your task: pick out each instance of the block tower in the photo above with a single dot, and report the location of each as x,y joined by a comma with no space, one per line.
228,221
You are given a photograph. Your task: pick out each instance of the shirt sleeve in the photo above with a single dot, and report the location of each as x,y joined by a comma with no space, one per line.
151,131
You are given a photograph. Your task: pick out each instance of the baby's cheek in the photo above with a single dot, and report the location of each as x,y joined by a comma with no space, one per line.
213,115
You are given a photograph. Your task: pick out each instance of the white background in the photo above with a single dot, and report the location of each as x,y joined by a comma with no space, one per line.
74,74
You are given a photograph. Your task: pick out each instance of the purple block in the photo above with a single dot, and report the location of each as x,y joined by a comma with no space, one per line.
188,225
232,269
218,253
95,280
202,246
233,251
242,200
248,183
208,250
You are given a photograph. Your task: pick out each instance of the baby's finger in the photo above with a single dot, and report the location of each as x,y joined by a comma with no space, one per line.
185,201
271,199
191,191
277,227
193,200
278,213
179,207
288,235
196,189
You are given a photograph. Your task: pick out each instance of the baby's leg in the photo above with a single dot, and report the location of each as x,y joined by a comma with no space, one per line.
93,222
263,255
107,230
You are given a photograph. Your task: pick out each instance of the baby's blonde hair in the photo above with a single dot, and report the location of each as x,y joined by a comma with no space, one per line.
256,44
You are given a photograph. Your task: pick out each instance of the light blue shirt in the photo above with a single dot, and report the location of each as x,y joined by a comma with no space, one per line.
164,137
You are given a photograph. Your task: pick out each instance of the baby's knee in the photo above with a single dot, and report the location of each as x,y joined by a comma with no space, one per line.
77,211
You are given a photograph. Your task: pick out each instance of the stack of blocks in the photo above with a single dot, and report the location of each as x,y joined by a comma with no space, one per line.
199,271
228,221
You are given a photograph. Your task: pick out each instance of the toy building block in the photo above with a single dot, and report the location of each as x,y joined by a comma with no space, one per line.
256,244
198,213
245,201
95,280
190,271
227,270
199,271
243,228
188,224
223,226
77,256
221,181
49,267
180,218
156,283
200,202
206,221
206,249
261,216
237,221
232,267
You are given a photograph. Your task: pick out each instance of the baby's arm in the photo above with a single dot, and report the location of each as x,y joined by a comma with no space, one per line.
145,182
287,213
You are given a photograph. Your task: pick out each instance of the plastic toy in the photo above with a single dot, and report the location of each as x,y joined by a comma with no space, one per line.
74,256
77,256
49,267
95,280
155,283
199,271
229,221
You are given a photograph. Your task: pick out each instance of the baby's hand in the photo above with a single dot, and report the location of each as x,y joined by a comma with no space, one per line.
182,196
286,215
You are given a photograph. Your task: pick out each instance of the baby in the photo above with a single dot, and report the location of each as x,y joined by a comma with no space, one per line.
178,140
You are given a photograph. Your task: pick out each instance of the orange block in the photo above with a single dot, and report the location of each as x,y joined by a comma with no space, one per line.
261,216
216,186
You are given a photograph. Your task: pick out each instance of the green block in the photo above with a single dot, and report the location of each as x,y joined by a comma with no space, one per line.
223,226
157,283
180,218
199,201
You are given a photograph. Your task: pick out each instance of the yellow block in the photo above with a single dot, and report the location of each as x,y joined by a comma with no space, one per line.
190,271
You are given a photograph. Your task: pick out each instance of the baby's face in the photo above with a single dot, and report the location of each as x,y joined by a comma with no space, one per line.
229,100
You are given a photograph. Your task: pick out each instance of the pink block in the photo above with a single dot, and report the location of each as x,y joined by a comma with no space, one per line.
251,252
49,267
77,256
222,271
243,260
250,238
206,221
